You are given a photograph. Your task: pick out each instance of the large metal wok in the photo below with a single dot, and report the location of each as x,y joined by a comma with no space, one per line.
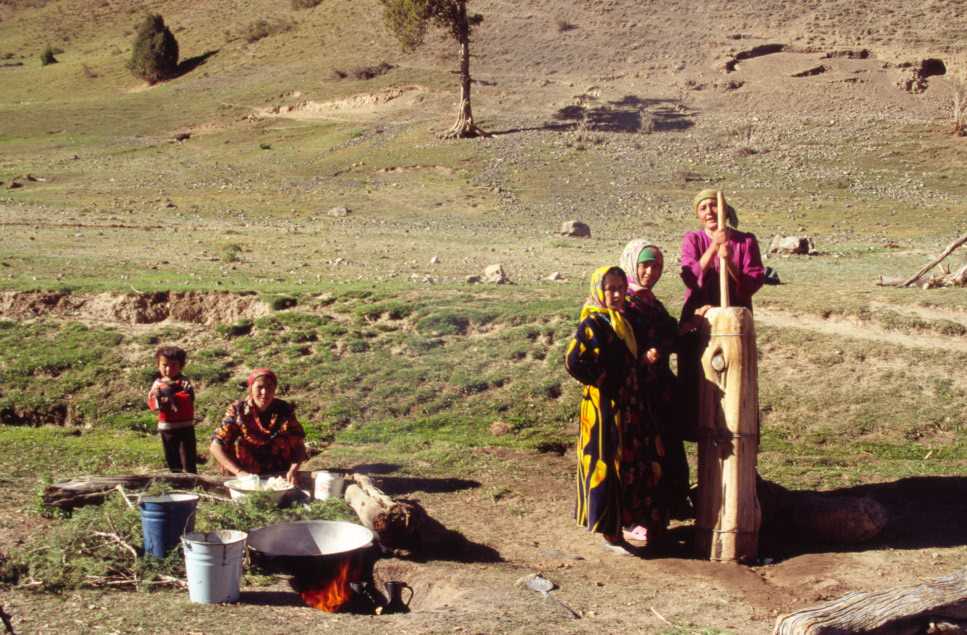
313,550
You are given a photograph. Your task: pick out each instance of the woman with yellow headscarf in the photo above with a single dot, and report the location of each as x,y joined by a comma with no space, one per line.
602,355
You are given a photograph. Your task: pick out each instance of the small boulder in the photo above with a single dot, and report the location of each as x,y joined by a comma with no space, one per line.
435,260
499,428
555,277
339,212
791,245
473,280
575,229
495,274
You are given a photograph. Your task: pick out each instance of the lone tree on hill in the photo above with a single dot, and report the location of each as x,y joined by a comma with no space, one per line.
408,20
155,54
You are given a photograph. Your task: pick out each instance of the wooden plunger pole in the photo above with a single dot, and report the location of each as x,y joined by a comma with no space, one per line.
723,265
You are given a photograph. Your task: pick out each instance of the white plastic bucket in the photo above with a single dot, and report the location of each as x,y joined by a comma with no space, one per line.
213,562
328,485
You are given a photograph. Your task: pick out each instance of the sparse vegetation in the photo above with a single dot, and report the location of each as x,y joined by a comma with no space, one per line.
154,57
47,57
369,72
263,28
102,546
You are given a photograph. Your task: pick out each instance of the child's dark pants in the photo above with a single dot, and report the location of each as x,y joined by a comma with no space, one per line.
180,452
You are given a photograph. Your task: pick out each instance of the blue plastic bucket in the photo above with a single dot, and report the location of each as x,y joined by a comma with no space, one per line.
213,562
164,519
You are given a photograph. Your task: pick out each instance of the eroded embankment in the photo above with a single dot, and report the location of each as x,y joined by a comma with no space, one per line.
132,308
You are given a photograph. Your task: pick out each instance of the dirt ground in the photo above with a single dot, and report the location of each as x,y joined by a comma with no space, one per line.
516,519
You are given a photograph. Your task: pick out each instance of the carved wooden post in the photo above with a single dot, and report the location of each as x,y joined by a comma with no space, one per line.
728,514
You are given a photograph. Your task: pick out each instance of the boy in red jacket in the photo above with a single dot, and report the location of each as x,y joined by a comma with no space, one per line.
173,398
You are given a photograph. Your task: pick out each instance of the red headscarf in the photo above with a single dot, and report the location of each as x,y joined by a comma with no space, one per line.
262,372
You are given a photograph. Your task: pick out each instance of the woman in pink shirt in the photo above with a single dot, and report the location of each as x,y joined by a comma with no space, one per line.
701,251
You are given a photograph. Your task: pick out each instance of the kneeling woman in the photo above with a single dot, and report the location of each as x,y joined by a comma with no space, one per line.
260,434
613,489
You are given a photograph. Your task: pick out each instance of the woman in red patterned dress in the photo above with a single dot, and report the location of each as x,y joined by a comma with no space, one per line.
260,434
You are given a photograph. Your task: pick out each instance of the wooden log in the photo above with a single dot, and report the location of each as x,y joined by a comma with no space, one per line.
395,522
92,490
728,515
906,610
892,281
818,517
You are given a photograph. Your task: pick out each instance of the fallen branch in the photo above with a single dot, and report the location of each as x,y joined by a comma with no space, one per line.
114,538
165,580
92,490
950,248
902,610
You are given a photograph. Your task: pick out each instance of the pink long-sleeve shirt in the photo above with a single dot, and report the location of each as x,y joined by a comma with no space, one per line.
702,287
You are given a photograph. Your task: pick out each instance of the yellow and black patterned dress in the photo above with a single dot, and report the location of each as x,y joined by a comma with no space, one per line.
601,361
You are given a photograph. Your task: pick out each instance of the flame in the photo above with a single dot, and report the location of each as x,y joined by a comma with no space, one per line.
332,595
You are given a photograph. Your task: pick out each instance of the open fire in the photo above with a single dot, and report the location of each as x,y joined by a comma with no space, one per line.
330,562
346,587
334,594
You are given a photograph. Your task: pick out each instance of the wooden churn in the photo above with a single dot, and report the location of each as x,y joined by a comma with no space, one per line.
728,514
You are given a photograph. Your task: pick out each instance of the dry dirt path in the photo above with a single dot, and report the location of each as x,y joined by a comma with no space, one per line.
856,329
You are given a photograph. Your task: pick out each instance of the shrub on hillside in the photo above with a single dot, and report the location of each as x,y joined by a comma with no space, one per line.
263,28
47,57
305,4
155,54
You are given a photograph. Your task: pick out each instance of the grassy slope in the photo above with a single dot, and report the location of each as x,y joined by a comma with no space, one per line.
399,388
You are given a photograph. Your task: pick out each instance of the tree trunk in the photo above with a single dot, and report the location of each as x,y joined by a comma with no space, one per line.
464,127
918,608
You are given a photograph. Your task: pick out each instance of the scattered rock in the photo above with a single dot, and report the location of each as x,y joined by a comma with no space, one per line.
810,72
495,274
435,260
914,77
14,185
791,245
555,277
473,280
182,136
731,84
499,428
339,212
575,229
